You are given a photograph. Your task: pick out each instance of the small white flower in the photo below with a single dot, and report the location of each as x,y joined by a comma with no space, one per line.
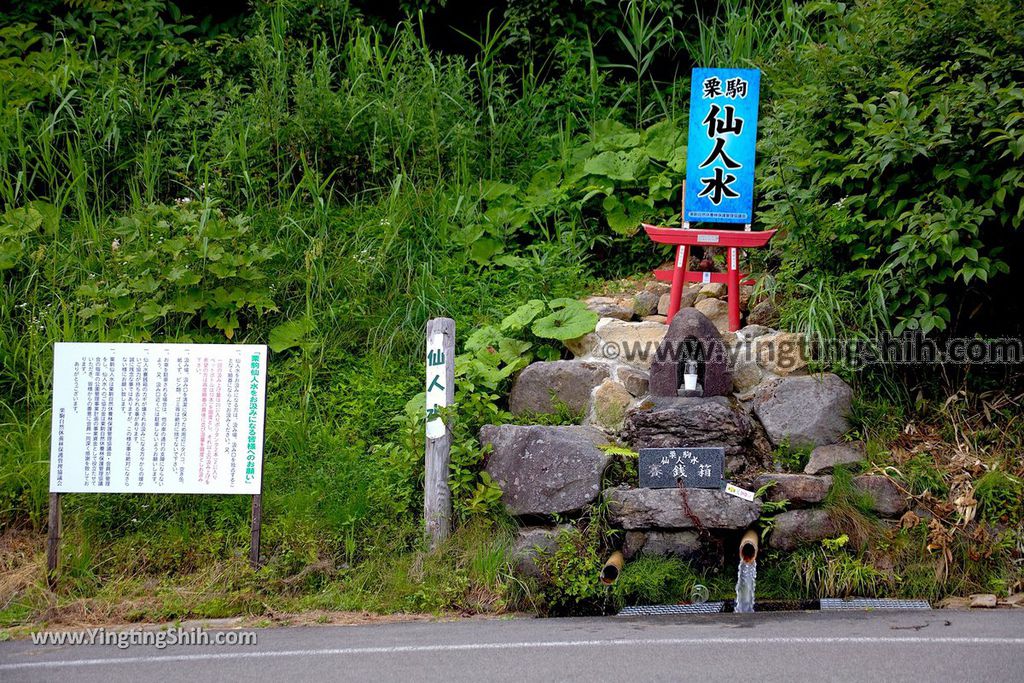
115,245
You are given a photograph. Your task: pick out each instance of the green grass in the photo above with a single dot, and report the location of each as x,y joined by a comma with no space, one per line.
367,182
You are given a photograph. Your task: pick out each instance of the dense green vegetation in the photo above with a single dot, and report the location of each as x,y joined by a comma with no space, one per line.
324,179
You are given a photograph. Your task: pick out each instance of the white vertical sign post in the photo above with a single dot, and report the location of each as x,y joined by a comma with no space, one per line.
440,385
156,418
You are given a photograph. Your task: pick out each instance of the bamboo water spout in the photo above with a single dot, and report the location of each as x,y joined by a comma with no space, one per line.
612,568
749,546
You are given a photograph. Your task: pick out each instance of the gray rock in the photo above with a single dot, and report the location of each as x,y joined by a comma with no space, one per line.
888,501
645,303
753,331
810,410
611,307
669,422
712,290
545,470
763,313
610,403
628,343
782,353
658,287
531,544
983,600
717,312
798,489
824,459
686,299
796,527
746,374
685,545
664,301
636,381
568,381
632,508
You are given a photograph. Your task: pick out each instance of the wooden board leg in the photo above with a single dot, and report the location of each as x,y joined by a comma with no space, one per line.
257,527
53,541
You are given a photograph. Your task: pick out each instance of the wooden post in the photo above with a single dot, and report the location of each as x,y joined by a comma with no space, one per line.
440,382
257,525
53,541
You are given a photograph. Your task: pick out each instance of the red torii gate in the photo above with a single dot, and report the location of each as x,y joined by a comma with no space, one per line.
687,237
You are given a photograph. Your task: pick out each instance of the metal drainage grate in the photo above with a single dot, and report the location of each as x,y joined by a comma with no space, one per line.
872,603
655,610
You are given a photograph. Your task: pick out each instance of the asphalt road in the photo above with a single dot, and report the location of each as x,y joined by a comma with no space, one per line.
800,646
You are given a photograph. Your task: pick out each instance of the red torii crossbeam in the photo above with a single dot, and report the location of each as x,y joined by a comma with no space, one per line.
686,237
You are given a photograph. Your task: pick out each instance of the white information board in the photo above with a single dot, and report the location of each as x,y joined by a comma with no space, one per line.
157,418
437,396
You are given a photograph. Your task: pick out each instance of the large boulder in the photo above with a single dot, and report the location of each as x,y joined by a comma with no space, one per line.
685,545
887,500
824,459
798,489
637,382
782,353
632,508
717,312
611,400
531,545
540,387
746,373
545,470
645,303
669,422
632,343
794,528
805,411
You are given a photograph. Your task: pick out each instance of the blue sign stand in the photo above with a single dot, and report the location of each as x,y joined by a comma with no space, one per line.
720,151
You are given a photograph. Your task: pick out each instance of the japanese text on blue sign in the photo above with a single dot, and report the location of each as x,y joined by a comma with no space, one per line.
720,151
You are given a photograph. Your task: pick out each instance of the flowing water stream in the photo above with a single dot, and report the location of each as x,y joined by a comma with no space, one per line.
745,582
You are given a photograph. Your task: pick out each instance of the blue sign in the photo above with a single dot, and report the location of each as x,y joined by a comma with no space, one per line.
720,150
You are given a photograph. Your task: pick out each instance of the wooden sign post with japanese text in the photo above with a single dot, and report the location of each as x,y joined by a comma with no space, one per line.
440,383
156,418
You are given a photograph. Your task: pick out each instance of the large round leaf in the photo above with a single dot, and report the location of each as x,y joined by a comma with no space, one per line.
566,323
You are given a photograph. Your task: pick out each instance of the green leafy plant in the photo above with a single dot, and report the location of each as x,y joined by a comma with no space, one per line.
571,572
921,475
178,264
912,186
654,580
792,458
831,571
1000,496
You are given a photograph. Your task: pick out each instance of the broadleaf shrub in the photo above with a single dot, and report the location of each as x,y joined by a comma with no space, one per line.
891,150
